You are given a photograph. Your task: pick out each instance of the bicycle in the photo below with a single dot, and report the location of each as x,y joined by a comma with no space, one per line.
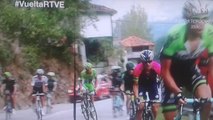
38,105
147,111
8,105
196,104
131,106
87,106
49,101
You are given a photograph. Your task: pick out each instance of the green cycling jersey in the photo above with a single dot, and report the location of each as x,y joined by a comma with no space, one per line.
178,47
88,79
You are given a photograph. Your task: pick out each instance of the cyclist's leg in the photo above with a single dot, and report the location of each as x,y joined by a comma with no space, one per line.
128,98
42,99
91,89
168,105
201,89
13,99
33,97
139,112
154,95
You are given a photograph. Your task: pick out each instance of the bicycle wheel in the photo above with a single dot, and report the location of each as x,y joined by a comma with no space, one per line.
148,115
39,111
84,109
93,113
132,110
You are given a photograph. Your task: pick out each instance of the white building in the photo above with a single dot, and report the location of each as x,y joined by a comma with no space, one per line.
96,25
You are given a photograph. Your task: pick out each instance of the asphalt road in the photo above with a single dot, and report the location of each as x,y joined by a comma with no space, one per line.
65,112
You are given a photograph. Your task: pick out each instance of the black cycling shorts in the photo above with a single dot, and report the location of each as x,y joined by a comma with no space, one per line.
37,90
188,77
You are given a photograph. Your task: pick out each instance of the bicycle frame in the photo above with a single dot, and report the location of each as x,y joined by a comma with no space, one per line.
147,111
196,109
88,107
38,105
131,106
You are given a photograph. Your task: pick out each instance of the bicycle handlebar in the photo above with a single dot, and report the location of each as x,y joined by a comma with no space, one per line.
201,100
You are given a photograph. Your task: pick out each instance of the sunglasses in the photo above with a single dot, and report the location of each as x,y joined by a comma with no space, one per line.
147,62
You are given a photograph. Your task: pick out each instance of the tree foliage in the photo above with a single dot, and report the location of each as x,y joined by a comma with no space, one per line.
98,49
134,23
41,31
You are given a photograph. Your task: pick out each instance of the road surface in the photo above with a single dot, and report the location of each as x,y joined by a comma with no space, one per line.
65,112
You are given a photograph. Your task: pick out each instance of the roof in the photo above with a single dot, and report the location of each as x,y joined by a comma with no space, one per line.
102,9
133,41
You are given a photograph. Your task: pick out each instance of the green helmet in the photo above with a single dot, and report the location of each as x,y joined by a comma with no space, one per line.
195,9
130,66
88,66
7,74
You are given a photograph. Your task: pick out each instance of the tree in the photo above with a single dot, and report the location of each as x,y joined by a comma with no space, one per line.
40,31
134,23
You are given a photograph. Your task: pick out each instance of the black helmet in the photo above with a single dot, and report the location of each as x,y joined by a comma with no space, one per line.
130,66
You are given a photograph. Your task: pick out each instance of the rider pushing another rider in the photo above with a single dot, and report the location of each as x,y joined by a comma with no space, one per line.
8,86
39,85
146,76
185,43
88,78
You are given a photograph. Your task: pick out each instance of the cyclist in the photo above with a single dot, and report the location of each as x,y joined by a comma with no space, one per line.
117,96
146,80
185,42
88,79
8,84
39,85
51,84
127,77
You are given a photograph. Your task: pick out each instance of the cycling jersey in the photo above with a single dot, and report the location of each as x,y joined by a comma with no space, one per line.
51,84
116,79
38,83
139,68
183,67
148,82
88,79
128,81
9,84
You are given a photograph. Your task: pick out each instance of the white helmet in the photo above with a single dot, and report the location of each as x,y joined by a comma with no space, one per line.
40,71
52,74
146,56
195,9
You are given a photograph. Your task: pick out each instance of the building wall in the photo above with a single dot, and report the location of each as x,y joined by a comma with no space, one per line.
101,26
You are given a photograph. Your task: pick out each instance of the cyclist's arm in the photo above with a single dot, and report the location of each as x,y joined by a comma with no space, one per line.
210,69
55,86
123,81
167,77
32,84
2,86
15,88
45,84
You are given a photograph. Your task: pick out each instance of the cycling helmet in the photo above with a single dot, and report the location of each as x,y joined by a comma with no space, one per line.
146,56
195,9
52,74
88,66
40,71
130,66
7,74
